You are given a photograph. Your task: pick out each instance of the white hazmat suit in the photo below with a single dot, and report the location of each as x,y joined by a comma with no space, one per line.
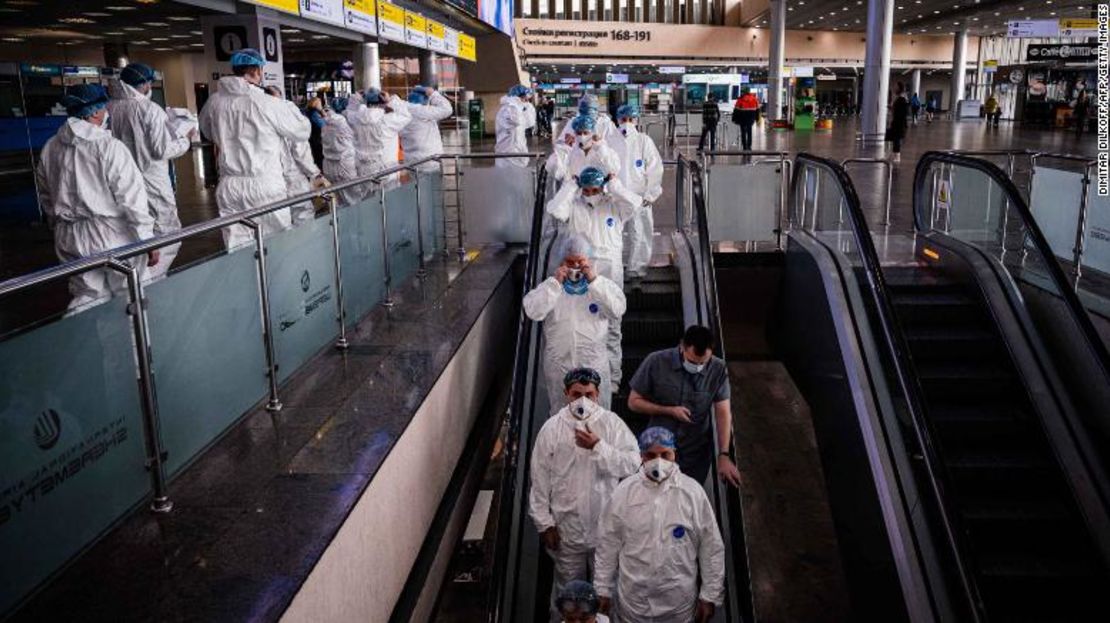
249,128
511,123
604,130
144,128
340,160
95,199
652,541
299,169
641,172
575,329
602,225
421,137
565,161
376,134
571,485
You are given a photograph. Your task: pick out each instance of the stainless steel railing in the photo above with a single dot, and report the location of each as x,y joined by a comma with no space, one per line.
118,260
889,182
781,159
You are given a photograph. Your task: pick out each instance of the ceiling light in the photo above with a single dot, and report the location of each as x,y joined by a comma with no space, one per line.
290,30
12,39
180,18
76,20
159,38
121,8
319,36
163,49
195,32
95,14
936,12
156,23
295,40
133,28
33,3
114,33
197,45
1052,13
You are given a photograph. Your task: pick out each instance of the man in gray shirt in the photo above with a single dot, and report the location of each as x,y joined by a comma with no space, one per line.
681,388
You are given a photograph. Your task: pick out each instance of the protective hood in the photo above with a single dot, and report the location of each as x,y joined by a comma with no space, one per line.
508,99
120,90
234,85
76,131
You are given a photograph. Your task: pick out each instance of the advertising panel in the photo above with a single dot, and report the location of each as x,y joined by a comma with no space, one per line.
361,15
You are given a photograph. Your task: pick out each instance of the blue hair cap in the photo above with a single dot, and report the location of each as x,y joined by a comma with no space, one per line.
339,104
591,177
577,597
247,57
588,105
136,74
519,90
374,96
83,100
656,436
583,123
418,96
627,111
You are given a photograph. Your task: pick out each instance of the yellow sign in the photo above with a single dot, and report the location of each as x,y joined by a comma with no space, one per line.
366,6
391,21
1079,24
435,29
467,48
415,21
289,6
990,63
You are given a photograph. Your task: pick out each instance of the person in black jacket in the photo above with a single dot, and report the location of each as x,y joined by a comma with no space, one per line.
900,110
710,115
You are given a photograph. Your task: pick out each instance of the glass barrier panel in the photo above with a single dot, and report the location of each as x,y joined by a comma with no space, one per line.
401,213
360,243
743,201
206,350
431,201
300,263
1054,202
72,455
1096,238
497,204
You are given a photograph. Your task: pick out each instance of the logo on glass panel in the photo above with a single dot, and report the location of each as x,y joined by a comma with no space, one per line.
48,428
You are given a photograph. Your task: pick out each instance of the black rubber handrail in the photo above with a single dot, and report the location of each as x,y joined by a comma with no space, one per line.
738,602
1032,232
904,372
521,407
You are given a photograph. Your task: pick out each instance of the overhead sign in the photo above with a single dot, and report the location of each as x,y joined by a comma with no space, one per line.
1033,28
672,69
289,6
616,78
468,47
435,33
391,21
826,77
990,66
1078,27
361,15
451,41
1061,52
83,71
803,72
570,81
416,29
328,11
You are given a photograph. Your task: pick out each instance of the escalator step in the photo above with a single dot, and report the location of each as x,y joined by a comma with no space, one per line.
647,328
657,297
960,343
937,308
974,382
898,277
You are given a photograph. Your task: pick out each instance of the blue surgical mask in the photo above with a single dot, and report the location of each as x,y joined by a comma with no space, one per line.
576,287
693,368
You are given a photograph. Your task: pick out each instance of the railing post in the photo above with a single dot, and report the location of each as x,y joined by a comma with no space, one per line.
889,187
1081,229
341,316
443,201
152,426
388,302
274,404
459,209
784,197
422,271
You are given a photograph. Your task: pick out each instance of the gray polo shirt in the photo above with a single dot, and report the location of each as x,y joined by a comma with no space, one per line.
662,380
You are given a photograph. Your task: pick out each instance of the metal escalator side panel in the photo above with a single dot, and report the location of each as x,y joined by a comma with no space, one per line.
908,535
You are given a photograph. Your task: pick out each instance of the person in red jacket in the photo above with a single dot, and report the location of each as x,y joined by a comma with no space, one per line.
745,115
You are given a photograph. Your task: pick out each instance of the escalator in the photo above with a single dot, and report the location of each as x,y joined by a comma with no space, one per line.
980,389
660,305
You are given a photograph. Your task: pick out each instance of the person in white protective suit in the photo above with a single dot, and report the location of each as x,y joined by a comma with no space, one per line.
576,306
588,150
249,128
340,160
421,138
580,455
641,172
587,107
514,118
377,126
577,602
655,536
92,193
597,207
298,168
143,127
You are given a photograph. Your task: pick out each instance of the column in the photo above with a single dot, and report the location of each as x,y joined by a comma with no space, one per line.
959,66
915,84
429,75
876,72
776,59
368,70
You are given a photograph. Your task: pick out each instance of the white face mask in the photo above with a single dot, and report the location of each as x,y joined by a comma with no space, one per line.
582,409
592,200
658,469
585,142
627,128
693,368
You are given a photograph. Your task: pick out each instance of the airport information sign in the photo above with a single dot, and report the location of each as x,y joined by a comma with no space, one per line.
435,33
289,6
361,15
391,21
416,29
1033,28
327,11
451,41
467,47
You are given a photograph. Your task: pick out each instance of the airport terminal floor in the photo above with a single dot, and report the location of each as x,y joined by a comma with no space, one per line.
408,359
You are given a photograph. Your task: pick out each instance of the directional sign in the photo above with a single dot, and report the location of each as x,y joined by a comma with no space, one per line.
468,47
360,15
1034,28
435,33
391,21
416,29
1079,28
330,11
451,41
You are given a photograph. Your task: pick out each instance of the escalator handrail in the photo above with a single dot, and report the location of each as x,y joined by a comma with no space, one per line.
526,351
738,602
908,380
1032,232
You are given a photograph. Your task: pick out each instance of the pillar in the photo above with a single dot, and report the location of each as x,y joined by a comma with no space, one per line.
429,74
915,84
959,65
776,59
368,69
876,73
